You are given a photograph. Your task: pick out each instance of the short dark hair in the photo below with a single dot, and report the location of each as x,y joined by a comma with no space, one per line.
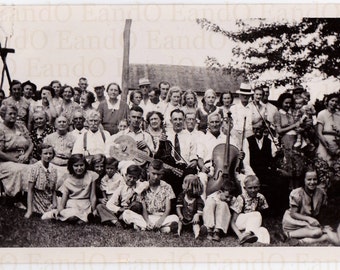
177,111
156,90
221,97
134,170
284,96
90,97
74,159
149,114
157,164
48,88
62,89
112,161
14,82
163,82
137,109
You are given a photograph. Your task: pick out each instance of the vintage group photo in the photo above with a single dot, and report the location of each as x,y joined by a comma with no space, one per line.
168,126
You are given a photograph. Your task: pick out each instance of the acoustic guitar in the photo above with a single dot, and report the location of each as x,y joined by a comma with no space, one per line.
125,148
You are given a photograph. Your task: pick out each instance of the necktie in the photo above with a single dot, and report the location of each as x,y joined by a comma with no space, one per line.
177,149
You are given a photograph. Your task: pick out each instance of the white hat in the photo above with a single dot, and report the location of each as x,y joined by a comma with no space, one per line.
144,81
245,89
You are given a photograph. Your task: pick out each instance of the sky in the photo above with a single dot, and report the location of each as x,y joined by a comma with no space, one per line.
68,42
71,41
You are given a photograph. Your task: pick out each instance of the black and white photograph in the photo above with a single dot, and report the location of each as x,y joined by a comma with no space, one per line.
194,128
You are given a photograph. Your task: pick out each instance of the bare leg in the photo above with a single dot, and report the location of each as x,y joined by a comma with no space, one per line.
306,233
322,238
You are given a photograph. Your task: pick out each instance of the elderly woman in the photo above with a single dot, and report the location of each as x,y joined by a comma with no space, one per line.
45,104
17,99
62,142
173,100
15,149
40,131
68,107
113,110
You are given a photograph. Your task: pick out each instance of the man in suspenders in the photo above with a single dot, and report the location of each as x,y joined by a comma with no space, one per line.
92,142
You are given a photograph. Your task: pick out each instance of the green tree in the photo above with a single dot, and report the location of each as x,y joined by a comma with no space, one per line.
295,50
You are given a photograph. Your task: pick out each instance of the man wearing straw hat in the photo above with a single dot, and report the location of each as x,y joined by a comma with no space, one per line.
242,114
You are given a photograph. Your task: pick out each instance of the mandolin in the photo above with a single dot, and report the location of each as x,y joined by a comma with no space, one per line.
125,148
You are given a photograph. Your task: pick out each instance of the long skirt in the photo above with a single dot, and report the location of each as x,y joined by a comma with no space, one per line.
12,176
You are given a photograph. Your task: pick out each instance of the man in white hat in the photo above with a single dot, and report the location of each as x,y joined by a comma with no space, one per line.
242,114
144,86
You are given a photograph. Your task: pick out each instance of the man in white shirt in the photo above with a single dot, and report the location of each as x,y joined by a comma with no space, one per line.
92,142
242,114
143,139
164,89
183,150
190,123
212,138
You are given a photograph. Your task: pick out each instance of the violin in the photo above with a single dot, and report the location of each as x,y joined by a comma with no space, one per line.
225,161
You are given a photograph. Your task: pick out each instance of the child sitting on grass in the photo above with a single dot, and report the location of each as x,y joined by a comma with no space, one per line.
97,164
247,217
111,180
42,179
78,189
300,224
123,198
190,204
216,213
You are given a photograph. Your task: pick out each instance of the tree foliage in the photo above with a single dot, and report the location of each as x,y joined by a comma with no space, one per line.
294,49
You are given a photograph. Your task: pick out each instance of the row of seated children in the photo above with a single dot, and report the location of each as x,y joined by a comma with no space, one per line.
79,204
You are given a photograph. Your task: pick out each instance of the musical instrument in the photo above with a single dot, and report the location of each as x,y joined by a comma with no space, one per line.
225,161
125,148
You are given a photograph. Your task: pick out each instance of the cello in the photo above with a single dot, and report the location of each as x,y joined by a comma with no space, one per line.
225,161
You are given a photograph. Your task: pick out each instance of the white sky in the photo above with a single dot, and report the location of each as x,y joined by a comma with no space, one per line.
68,42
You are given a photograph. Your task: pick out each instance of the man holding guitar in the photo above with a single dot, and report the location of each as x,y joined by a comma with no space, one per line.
143,139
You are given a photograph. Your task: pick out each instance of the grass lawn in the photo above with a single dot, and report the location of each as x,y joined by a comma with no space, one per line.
16,231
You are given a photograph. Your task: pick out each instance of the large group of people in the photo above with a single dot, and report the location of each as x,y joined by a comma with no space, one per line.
168,161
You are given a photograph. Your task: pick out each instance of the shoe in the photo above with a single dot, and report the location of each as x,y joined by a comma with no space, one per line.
249,237
91,218
216,237
210,235
293,242
20,205
297,144
203,231
173,227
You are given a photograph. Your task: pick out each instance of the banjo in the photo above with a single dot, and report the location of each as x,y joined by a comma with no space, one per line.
125,148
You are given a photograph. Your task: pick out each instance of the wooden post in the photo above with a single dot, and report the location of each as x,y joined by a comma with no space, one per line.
126,54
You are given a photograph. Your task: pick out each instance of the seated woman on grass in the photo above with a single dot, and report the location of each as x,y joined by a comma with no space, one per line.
78,189
300,224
